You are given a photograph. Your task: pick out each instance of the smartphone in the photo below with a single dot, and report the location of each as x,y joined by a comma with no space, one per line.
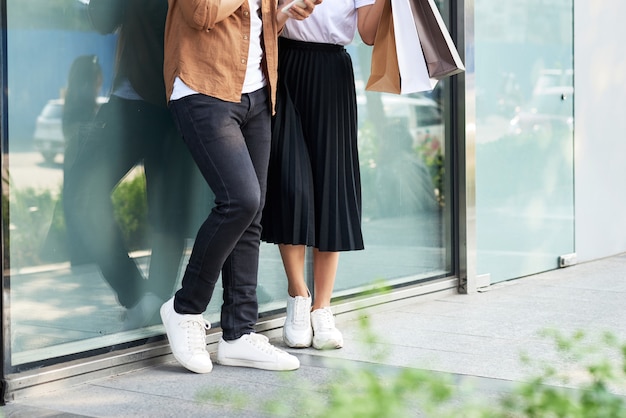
290,5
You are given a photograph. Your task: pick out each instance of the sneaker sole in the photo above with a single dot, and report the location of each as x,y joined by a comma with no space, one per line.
195,369
297,344
256,365
327,345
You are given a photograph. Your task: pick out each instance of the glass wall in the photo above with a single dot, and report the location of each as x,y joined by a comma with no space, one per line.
101,201
524,136
406,185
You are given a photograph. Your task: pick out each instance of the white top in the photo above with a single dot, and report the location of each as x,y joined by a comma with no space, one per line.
332,22
255,79
126,91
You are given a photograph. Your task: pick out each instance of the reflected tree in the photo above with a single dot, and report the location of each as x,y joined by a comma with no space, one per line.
48,14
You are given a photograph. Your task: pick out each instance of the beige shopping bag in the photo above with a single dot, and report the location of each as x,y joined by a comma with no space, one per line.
384,73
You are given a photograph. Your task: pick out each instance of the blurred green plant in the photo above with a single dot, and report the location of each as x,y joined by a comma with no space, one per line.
30,212
585,386
130,209
430,152
588,387
36,220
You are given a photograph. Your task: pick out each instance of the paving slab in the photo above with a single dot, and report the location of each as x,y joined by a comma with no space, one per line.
475,340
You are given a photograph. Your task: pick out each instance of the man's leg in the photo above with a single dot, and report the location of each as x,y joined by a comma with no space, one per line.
230,144
101,159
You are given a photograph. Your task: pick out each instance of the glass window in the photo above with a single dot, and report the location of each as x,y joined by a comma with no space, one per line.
524,136
104,201
406,184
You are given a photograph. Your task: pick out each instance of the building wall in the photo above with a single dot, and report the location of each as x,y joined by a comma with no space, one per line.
600,128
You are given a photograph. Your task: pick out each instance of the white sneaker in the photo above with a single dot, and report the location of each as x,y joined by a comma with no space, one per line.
297,331
143,313
187,337
325,334
254,350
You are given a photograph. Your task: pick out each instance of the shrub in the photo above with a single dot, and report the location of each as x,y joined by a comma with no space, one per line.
130,209
36,232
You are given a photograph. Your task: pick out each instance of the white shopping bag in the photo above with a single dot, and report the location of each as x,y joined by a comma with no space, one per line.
413,72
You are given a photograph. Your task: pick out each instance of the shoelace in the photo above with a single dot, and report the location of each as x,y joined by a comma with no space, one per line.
325,319
299,314
196,333
262,343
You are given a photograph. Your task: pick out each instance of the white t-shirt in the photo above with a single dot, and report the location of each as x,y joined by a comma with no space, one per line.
332,22
255,79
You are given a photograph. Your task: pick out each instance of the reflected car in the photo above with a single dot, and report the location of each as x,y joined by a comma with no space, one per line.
49,140
420,114
553,78
549,112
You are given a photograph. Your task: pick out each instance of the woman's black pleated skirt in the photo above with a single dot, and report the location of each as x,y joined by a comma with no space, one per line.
314,185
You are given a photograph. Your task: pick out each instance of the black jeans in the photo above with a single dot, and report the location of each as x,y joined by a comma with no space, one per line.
230,143
126,133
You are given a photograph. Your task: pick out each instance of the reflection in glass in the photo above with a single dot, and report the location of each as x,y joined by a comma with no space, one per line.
99,227
524,136
402,145
103,200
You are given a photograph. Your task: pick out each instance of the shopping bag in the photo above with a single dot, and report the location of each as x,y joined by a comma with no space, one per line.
414,75
442,57
384,73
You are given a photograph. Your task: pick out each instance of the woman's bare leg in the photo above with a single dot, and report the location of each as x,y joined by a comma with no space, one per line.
324,272
325,333
293,262
297,331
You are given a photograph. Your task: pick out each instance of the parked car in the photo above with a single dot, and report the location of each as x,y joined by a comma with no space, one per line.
420,114
553,78
49,140
549,113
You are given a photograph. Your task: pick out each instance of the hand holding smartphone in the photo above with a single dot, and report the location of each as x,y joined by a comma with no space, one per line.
291,4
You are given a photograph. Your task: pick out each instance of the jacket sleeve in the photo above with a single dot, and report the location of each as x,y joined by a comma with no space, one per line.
106,15
197,14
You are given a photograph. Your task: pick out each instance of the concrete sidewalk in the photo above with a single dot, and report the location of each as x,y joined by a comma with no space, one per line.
477,339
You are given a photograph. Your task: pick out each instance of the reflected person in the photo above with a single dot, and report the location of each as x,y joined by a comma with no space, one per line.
80,100
79,109
134,127
403,183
